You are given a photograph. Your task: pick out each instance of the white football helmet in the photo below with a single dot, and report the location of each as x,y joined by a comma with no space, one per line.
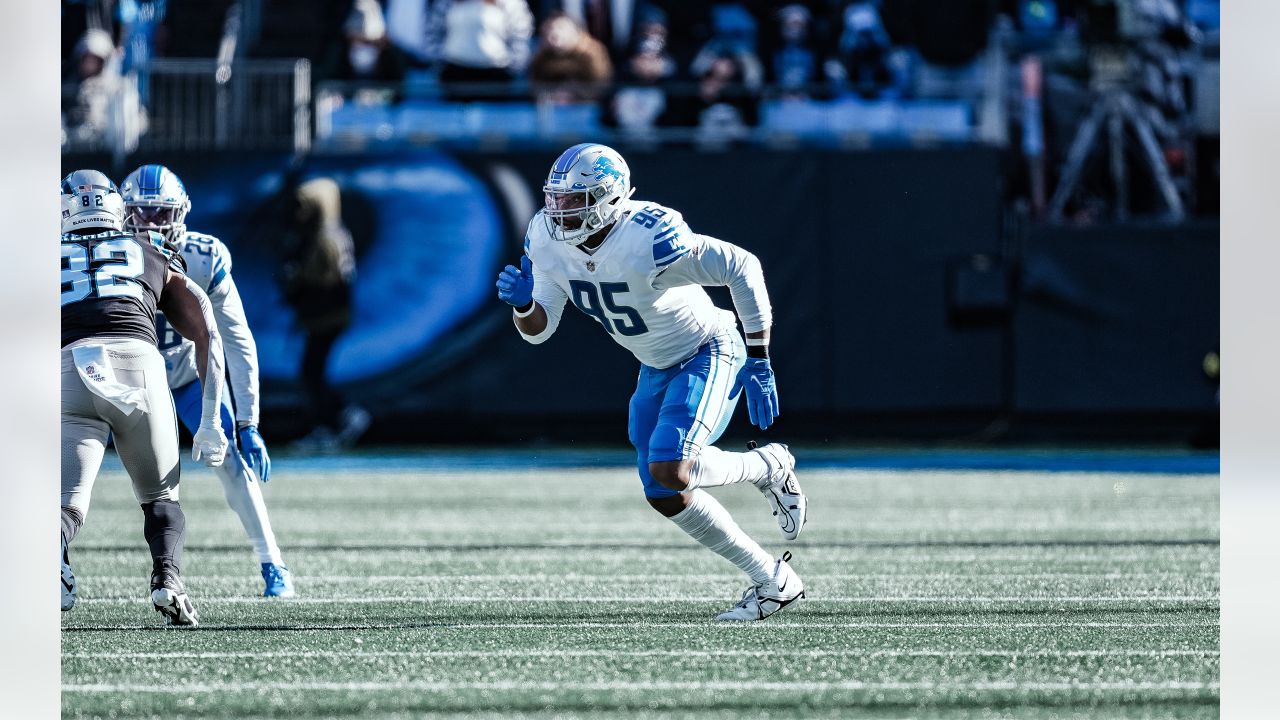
584,191
90,202
156,200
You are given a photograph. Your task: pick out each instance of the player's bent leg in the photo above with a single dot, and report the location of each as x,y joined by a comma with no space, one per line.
669,506
714,467
69,587
72,519
782,489
672,474
242,491
782,590
705,520
83,442
165,527
148,446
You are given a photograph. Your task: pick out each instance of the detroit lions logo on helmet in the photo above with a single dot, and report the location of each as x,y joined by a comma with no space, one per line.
604,167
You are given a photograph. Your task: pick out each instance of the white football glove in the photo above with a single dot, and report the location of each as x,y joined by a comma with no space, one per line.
210,445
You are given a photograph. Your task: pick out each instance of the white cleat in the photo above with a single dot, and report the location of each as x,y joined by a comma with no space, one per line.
759,602
782,489
171,599
69,589
175,606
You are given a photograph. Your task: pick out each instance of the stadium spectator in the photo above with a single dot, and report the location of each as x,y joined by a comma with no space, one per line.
365,52
570,65
318,270
864,61
642,103
480,41
106,106
139,21
725,107
612,22
733,38
407,29
793,63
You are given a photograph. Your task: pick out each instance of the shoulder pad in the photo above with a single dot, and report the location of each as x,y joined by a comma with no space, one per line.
536,235
207,258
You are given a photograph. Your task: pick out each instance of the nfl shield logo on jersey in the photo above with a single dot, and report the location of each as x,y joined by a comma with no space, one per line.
591,266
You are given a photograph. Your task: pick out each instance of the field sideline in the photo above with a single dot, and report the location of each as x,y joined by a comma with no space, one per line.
472,585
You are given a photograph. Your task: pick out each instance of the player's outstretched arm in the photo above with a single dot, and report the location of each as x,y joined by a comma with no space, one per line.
535,317
190,313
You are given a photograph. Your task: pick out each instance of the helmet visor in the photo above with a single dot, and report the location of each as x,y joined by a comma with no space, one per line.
566,209
152,216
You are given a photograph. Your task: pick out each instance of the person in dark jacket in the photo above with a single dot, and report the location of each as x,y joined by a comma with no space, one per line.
317,273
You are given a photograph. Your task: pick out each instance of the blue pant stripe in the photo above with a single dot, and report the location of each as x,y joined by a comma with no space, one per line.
711,422
707,392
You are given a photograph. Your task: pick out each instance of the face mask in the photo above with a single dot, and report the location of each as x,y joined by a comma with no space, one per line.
363,57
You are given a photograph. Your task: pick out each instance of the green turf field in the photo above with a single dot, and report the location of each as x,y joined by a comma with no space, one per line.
479,591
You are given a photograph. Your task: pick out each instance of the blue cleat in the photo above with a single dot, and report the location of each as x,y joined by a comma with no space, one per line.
279,581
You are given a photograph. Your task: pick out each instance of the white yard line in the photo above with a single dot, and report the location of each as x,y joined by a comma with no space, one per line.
815,653
897,555
605,577
770,626
619,685
850,600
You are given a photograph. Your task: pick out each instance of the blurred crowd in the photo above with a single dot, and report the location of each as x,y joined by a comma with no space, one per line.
675,63
655,68
650,62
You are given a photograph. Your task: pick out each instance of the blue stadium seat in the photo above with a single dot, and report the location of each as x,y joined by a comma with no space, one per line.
361,122
877,118
510,120
940,119
804,118
574,119
425,119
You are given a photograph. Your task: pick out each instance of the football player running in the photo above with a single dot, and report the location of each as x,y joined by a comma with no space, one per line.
113,378
156,201
639,271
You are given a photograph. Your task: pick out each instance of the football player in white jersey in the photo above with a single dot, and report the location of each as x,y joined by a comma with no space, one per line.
156,200
639,271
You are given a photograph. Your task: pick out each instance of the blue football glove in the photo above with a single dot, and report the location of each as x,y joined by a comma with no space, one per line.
756,377
254,450
515,287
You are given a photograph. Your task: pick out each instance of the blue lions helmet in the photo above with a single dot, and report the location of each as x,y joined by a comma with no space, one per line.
584,191
156,200
90,202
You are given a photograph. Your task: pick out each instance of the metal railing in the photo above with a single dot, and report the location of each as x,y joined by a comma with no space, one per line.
260,104
251,104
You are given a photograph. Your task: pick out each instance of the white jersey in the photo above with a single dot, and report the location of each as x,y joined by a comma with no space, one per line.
643,284
209,266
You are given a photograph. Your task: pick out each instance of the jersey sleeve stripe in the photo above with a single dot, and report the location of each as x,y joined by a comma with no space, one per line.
679,252
669,248
218,277
663,235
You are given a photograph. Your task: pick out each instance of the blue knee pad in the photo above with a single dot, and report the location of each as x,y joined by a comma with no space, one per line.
641,418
